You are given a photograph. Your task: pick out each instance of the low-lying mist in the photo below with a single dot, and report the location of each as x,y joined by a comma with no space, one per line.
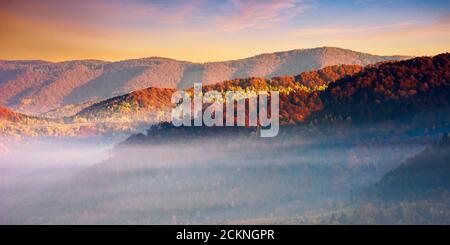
208,180
28,167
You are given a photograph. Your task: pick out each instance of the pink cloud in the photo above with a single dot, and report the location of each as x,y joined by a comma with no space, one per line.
104,12
260,14
209,14
155,12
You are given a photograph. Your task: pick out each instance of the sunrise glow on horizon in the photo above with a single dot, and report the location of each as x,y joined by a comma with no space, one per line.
202,31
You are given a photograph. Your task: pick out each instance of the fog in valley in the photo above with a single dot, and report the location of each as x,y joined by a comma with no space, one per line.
193,181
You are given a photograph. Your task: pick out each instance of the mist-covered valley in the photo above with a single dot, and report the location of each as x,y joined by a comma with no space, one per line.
306,174
356,145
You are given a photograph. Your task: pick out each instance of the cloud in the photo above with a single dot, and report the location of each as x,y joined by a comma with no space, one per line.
440,27
399,29
242,14
101,12
209,14
165,12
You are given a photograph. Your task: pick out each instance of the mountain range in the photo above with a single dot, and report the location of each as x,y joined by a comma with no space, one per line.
342,127
412,93
415,90
37,87
142,103
127,112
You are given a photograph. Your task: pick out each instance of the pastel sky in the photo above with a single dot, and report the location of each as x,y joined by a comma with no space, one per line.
202,30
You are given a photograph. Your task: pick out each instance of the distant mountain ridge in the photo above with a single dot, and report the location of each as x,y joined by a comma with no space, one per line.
36,87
